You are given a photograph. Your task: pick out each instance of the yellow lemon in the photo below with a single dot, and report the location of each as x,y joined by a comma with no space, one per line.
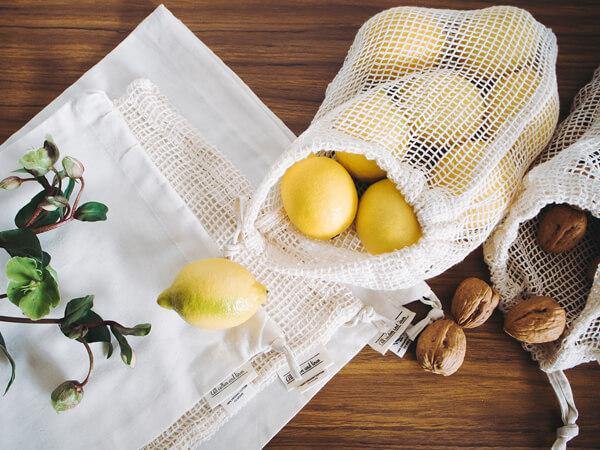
509,94
319,197
454,170
374,118
497,39
539,131
398,42
448,107
214,294
385,222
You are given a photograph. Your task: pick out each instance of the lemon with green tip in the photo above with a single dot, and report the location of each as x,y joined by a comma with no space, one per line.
385,221
214,294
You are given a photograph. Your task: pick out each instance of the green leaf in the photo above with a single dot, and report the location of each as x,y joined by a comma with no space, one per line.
21,170
69,189
142,329
31,286
21,242
45,258
77,309
91,212
45,217
4,351
127,354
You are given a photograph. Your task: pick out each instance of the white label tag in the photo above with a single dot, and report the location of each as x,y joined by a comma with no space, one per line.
383,341
400,345
309,369
239,398
230,385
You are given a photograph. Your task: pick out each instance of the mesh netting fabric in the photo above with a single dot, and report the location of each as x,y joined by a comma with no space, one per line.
308,311
454,106
568,172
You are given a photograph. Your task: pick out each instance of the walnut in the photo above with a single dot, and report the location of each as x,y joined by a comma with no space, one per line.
473,302
561,228
441,347
536,320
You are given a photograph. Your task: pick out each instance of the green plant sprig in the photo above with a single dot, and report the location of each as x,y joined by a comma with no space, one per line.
33,283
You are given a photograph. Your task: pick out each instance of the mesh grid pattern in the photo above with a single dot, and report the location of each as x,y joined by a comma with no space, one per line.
567,172
454,106
308,311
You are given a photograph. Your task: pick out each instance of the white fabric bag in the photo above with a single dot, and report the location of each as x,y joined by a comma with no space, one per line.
126,262
454,106
567,172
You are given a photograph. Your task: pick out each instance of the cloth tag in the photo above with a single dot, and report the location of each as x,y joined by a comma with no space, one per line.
313,367
400,345
231,385
237,400
383,341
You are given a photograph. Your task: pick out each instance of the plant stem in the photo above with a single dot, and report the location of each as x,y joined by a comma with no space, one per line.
67,218
44,182
3,296
91,356
34,216
88,325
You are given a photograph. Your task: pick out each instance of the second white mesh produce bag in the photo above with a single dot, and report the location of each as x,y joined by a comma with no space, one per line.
567,172
454,106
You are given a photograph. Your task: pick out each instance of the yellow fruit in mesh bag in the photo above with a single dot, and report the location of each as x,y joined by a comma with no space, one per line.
214,294
455,171
539,131
509,94
497,39
448,108
398,42
319,197
373,118
385,222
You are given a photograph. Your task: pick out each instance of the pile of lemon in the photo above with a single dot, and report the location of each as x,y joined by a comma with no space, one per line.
461,84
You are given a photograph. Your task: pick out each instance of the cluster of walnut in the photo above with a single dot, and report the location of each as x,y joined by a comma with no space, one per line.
442,345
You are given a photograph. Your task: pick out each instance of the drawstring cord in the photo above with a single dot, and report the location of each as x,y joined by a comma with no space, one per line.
368,315
568,411
280,345
231,248
436,313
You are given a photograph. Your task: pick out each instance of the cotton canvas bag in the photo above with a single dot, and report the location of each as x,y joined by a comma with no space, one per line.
454,106
567,172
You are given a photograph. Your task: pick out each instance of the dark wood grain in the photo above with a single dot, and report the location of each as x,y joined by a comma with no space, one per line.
287,52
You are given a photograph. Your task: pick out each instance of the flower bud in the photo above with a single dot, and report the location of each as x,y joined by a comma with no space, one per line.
52,150
37,161
73,167
67,395
10,183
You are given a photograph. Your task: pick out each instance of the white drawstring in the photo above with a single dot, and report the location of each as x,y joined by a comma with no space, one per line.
280,345
568,411
233,247
368,315
436,313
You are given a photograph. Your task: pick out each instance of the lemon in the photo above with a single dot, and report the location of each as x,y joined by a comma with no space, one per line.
398,42
319,197
454,170
509,94
373,118
448,107
360,167
214,294
385,222
497,39
539,131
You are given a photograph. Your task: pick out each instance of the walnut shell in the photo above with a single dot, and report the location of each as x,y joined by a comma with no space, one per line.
536,320
441,347
561,228
473,303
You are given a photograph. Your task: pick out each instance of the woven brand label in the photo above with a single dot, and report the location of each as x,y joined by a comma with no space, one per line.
400,345
383,341
311,369
231,385
236,401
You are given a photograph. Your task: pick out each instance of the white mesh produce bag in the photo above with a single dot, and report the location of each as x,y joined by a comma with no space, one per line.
567,172
454,106
308,311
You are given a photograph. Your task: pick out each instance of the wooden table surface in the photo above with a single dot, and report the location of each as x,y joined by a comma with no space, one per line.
287,52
